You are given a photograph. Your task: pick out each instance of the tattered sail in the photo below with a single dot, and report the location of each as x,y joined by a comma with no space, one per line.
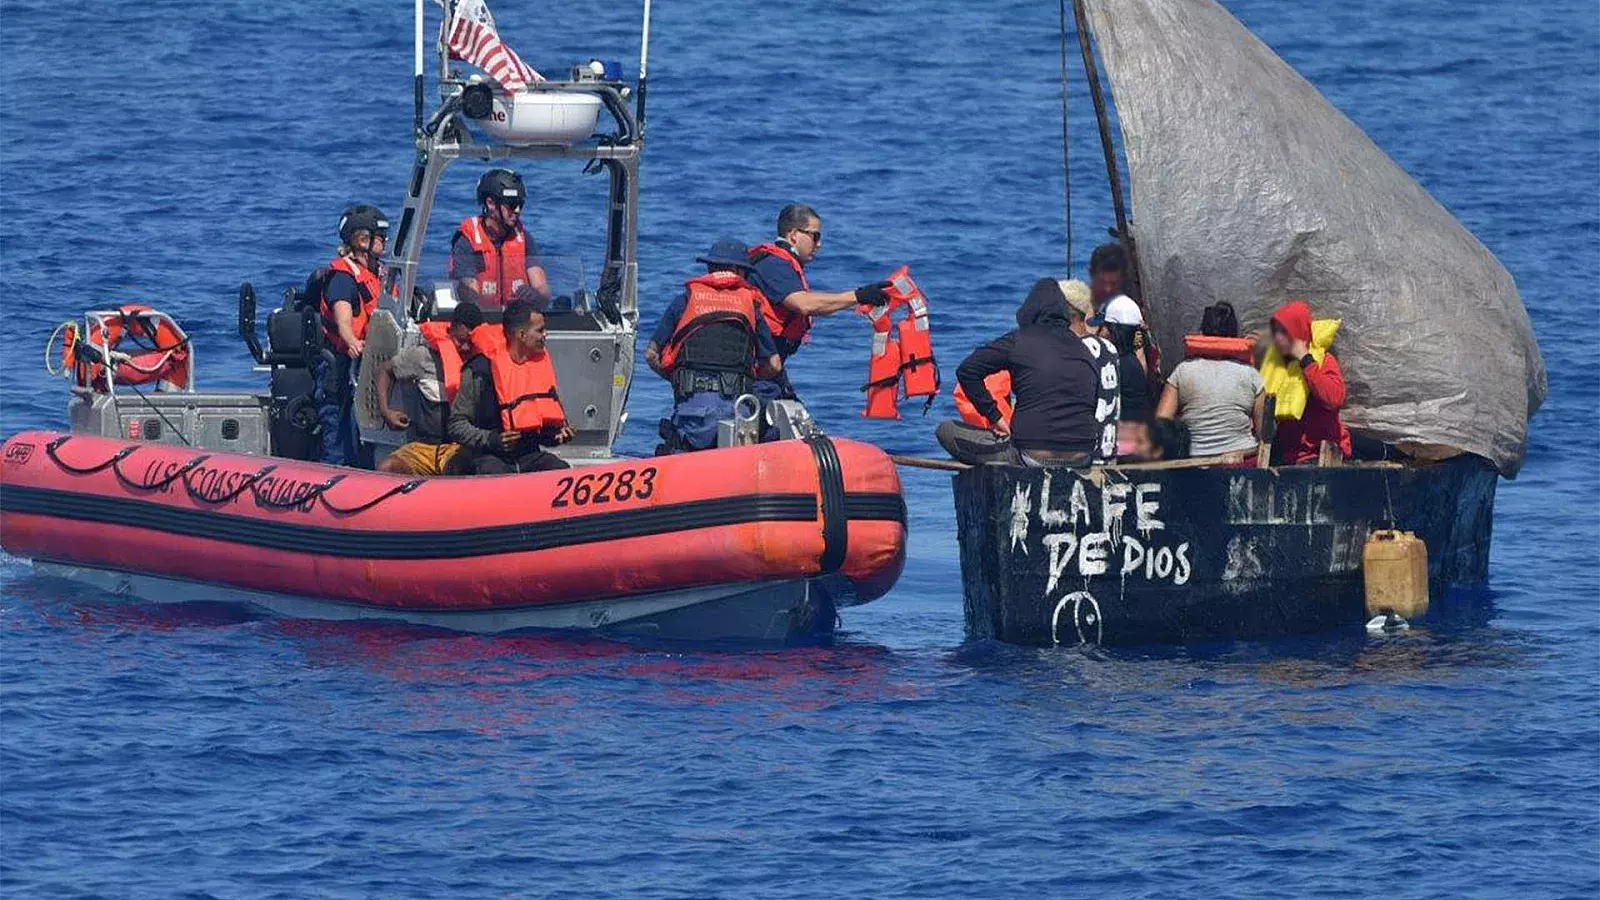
1247,185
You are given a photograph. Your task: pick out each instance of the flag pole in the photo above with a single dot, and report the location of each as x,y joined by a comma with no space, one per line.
644,66
416,66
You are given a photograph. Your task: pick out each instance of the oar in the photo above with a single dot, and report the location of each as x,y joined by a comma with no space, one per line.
922,462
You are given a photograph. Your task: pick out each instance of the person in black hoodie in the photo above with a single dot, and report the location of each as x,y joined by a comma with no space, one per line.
1055,377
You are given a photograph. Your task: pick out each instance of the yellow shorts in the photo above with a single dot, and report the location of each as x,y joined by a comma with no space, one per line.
417,458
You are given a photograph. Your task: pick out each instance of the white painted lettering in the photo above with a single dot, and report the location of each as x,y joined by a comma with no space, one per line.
1092,552
1132,554
1113,503
1181,576
1145,506
1021,506
1164,562
1080,504
1061,547
1049,516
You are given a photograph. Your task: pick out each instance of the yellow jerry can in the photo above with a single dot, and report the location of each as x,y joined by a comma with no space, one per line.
1394,565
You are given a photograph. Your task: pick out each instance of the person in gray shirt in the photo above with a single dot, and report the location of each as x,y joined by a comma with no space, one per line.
1218,395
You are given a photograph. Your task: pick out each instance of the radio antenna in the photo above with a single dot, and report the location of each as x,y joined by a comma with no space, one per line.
644,69
416,66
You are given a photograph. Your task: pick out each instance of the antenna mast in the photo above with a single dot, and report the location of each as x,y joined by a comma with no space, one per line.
644,67
416,67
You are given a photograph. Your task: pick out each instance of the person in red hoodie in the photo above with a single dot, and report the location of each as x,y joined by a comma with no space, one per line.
1301,439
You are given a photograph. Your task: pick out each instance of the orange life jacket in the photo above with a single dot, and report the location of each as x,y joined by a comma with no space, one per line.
883,368
526,392
437,334
501,269
487,341
999,385
1205,346
919,371
368,287
786,324
904,359
712,298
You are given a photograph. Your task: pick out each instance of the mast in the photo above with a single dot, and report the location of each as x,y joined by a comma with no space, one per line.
1066,143
1124,234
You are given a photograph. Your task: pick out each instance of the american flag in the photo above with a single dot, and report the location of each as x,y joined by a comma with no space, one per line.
471,37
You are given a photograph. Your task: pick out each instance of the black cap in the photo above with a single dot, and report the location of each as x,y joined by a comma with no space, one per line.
467,313
362,218
727,252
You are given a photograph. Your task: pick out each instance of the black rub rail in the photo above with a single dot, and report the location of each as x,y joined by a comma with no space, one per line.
454,544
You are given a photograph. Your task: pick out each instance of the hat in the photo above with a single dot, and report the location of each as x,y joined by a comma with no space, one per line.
467,314
1078,296
1120,310
726,252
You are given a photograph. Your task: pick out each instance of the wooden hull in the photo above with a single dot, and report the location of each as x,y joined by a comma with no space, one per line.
1133,556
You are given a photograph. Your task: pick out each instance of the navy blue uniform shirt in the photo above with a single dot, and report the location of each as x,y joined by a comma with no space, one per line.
340,286
775,278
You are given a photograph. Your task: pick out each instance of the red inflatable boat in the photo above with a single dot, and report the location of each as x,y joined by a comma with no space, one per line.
759,542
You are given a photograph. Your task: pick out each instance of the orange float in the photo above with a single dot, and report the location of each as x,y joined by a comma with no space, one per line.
1205,346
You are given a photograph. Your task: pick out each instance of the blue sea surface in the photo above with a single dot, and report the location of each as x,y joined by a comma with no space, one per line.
163,152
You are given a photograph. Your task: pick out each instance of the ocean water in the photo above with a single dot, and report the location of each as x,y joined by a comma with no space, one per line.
165,151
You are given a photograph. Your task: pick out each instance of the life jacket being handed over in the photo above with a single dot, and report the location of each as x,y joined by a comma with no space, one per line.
502,269
526,392
999,385
919,371
884,366
786,324
902,360
713,298
368,286
1205,346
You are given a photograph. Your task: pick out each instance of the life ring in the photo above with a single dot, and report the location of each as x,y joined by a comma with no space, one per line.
160,349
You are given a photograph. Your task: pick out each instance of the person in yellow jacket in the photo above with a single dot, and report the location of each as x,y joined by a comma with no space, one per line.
1304,375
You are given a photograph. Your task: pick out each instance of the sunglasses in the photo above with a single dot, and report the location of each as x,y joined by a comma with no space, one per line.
816,236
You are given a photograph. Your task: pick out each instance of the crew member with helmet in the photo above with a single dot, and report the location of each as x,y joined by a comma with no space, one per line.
777,269
348,297
507,409
493,259
710,344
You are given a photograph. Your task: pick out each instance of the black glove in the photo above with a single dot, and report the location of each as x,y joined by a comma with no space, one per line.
872,294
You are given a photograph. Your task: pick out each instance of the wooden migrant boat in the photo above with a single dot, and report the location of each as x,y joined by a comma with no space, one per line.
1246,185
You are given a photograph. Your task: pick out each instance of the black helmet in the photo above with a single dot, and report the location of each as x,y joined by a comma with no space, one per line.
502,185
362,218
